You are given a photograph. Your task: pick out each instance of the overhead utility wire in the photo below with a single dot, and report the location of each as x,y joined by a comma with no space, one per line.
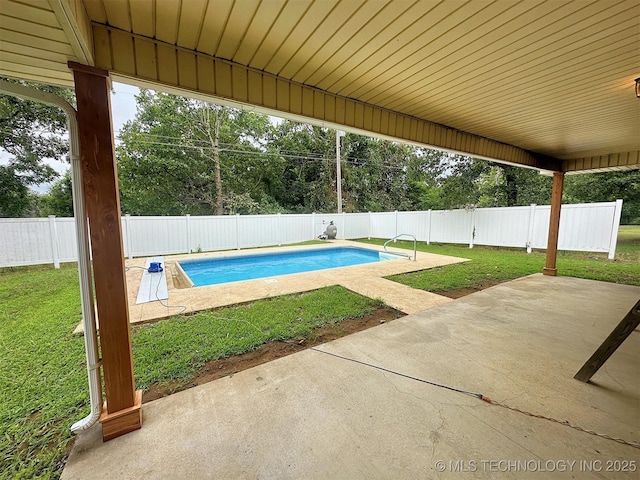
206,144
354,161
231,150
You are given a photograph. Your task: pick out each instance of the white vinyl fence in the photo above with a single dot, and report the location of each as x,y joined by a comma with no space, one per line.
589,227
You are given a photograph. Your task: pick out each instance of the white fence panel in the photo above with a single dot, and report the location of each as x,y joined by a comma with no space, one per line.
540,233
126,237
157,235
294,228
25,241
451,226
507,227
583,227
257,231
212,233
67,241
414,223
383,225
586,228
356,225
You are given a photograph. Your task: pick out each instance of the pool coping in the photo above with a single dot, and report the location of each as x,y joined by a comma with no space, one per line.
181,264
366,279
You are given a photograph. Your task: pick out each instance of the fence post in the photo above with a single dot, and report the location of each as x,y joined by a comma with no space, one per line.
429,227
187,219
532,217
279,230
237,231
370,225
127,235
344,226
55,248
396,228
613,242
473,228
313,225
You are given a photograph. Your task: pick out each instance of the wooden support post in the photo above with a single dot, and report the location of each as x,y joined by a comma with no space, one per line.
554,224
122,412
628,324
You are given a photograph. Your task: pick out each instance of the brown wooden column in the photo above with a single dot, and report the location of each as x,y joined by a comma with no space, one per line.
554,224
121,413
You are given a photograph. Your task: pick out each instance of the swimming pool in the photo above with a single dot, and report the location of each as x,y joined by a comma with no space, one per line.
213,271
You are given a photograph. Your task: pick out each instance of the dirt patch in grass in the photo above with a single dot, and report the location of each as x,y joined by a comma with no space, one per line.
223,367
227,366
461,292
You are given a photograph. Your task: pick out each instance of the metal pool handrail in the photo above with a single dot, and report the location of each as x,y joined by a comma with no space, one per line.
415,246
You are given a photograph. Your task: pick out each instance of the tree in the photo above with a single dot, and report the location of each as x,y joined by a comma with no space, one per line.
14,195
524,186
30,133
508,186
382,175
454,181
460,180
376,174
303,179
59,200
182,156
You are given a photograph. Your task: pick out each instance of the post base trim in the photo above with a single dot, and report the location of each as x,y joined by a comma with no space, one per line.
123,421
550,271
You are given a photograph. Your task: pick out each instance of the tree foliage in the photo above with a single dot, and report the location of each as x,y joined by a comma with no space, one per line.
14,195
454,181
30,133
59,200
182,156
303,171
379,174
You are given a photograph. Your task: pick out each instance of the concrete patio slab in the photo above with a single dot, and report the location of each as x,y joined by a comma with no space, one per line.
315,416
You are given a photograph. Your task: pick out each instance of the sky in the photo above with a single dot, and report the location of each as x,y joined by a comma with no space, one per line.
123,104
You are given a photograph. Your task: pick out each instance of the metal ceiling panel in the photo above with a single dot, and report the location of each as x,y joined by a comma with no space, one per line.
549,76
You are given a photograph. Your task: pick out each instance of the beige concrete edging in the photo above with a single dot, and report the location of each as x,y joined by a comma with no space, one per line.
367,279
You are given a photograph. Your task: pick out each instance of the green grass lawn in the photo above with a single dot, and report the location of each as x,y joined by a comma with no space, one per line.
174,349
43,382
496,264
629,243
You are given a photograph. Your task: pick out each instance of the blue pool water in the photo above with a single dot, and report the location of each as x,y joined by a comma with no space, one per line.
214,271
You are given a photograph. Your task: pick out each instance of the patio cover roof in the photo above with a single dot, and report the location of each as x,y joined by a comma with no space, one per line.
544,84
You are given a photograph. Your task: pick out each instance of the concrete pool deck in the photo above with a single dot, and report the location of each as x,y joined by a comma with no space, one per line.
365,279
315,416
